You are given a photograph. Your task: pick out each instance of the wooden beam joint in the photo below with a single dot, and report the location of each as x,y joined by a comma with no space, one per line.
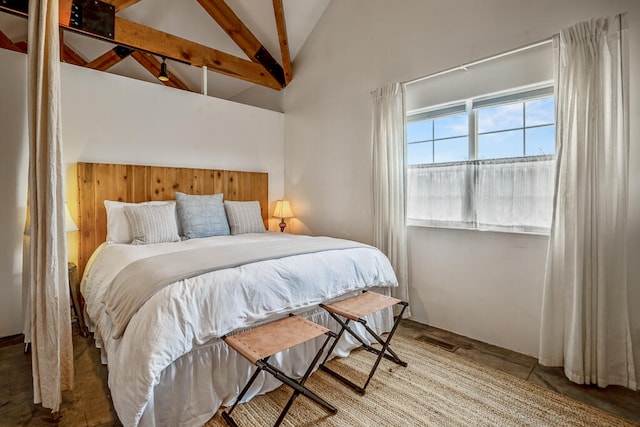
243,37
139,37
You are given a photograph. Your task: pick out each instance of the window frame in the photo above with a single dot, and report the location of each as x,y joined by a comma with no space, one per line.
471,106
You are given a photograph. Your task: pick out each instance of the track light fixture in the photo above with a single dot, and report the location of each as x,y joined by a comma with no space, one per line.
163,77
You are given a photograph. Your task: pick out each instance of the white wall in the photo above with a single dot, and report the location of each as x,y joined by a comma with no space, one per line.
481,284
113,119
13,174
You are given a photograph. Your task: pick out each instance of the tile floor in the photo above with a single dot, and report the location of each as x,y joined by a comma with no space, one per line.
89,403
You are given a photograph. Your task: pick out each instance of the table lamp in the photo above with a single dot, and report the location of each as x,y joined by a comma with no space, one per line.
282,211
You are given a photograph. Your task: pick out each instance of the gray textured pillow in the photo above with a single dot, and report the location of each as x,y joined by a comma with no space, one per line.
152,223
201,216
244,217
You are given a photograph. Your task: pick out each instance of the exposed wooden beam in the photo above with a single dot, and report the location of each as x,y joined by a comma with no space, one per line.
70,56
61,42
121,4
278,10
6,43
109,58
140,37
147,39
242,36
153,66
22,46
67,54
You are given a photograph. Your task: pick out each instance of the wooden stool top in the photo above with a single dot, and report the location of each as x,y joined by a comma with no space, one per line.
274,337
362,305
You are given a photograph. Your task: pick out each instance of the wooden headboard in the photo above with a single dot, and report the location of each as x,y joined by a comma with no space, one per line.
98,182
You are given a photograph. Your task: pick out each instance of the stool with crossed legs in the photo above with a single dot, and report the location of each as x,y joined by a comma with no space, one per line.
356,309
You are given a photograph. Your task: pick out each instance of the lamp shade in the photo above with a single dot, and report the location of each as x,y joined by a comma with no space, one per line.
283,209
69,224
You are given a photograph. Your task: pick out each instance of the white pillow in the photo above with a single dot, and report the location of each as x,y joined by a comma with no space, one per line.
152,223
244,217
118,230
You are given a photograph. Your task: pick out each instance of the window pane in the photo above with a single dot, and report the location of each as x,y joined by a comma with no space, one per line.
419,153
452,150
500,118
419,131
501,144
450,126
540,112
541,141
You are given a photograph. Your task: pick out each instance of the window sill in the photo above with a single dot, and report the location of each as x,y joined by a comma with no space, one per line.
417,224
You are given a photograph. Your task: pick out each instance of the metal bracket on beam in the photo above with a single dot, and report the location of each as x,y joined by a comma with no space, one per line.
123,51
94,17
271,65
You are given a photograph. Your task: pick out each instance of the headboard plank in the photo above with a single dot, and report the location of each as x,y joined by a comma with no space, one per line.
98,182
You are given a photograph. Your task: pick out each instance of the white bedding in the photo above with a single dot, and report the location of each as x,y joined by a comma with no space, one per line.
171,344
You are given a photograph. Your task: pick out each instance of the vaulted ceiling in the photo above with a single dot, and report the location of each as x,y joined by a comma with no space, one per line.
242,43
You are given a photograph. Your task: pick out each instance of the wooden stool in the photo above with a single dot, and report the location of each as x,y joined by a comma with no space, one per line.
259,344
356,308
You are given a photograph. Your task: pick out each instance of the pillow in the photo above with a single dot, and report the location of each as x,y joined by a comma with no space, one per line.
152,223
117,223
201,216
244,217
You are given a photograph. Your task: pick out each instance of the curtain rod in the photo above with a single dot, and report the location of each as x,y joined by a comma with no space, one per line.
480,61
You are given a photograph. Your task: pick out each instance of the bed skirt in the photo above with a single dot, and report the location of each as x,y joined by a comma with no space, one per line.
193,387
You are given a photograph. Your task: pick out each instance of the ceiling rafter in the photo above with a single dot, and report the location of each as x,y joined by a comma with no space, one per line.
153,66
6,43
109,58
278,10
22,46
265,71
243,37
70,56
169,46
140,37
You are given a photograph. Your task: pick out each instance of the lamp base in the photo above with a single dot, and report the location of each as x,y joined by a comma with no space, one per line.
282,225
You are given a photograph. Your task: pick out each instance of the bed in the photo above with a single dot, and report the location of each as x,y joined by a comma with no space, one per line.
158,310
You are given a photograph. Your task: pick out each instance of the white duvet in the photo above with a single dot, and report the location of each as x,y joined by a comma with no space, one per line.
192,313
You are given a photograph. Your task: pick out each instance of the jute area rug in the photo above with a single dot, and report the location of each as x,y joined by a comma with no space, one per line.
436,389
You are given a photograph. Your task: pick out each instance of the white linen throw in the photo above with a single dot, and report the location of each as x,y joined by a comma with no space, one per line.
142,279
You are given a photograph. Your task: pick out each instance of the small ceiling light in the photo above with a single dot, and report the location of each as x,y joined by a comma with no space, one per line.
163,77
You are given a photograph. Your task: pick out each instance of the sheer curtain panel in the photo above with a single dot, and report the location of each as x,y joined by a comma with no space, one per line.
389,166
511,194
585,319
49,321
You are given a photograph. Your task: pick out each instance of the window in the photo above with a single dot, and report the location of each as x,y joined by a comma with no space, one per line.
483,163
441,136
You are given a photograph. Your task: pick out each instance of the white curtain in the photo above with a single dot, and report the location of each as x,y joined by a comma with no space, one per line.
389,166
514,194
48,324
585,320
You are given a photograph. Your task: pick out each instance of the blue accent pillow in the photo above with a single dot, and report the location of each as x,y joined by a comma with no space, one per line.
201,216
